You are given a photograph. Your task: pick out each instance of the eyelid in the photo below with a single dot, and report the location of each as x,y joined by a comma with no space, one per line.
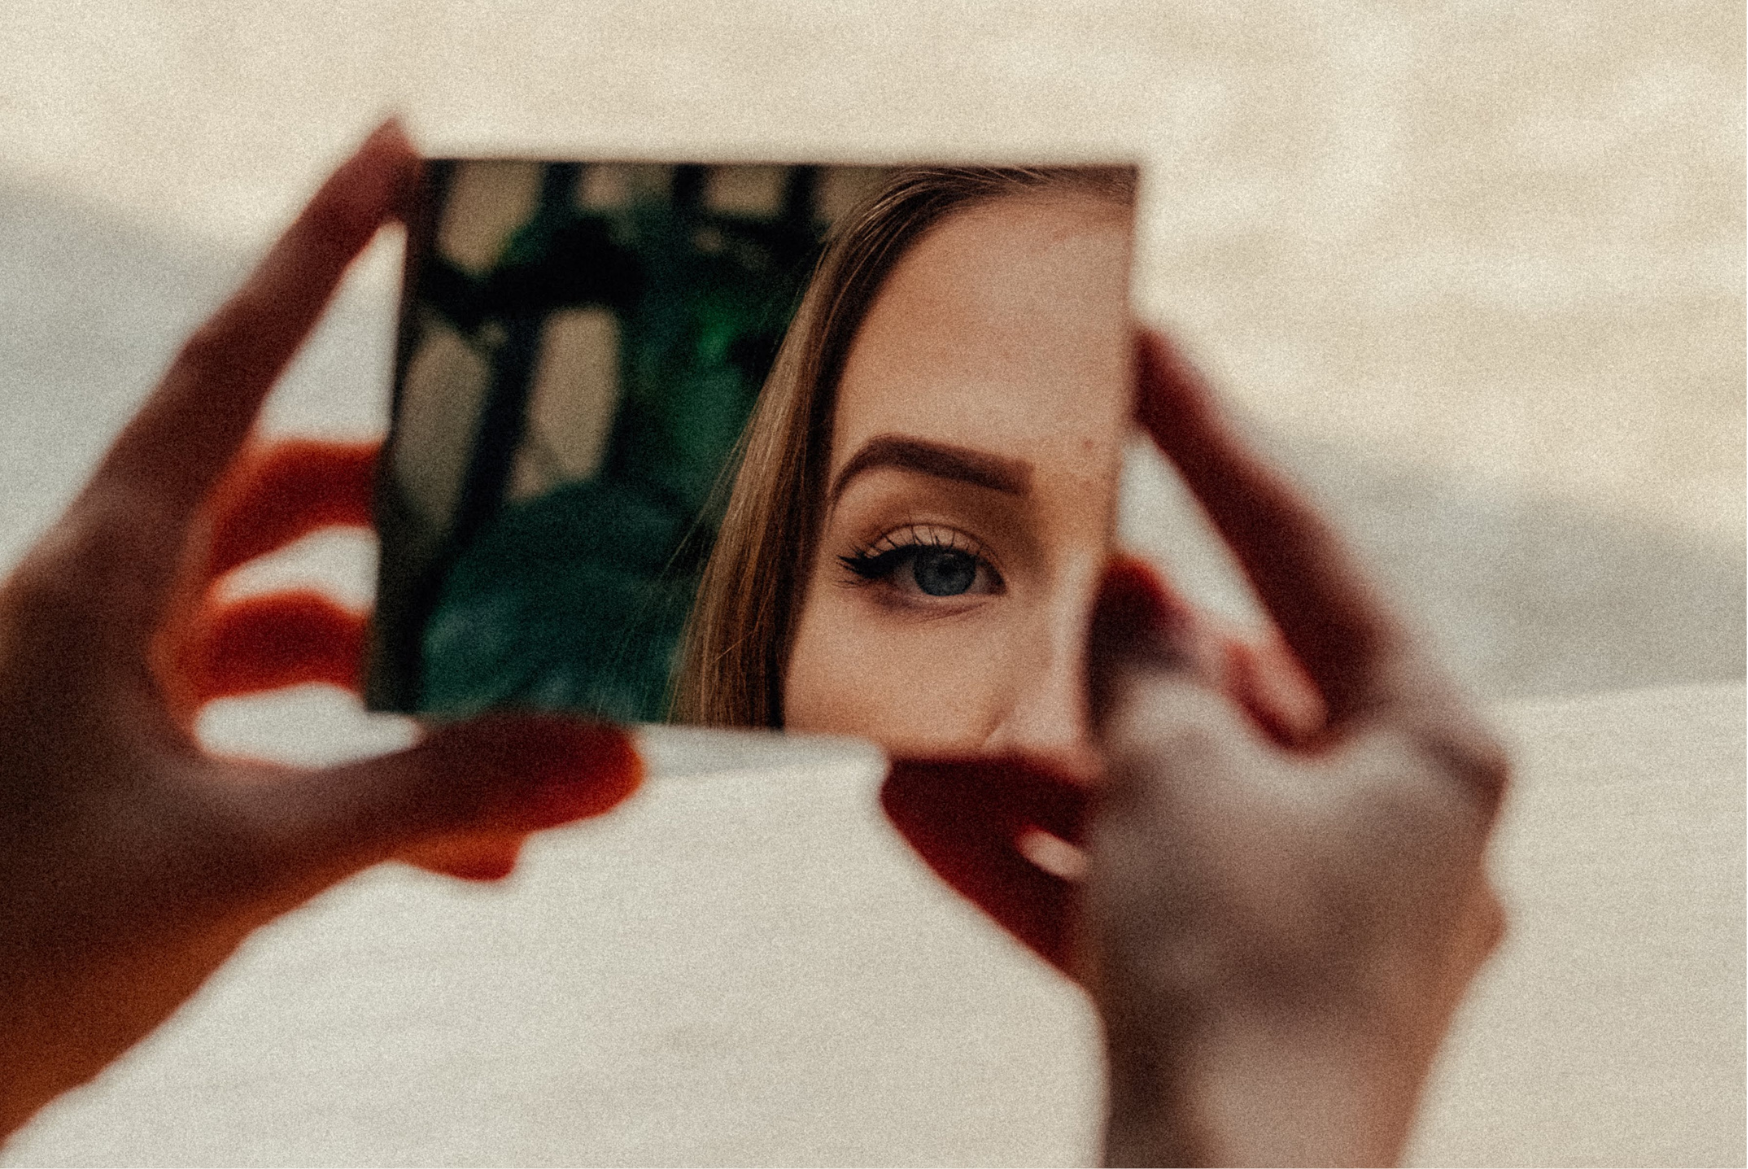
1005,530
928,535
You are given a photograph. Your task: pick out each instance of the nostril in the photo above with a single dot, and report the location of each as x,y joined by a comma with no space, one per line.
1052,854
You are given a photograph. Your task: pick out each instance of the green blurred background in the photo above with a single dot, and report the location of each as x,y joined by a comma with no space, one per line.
581,347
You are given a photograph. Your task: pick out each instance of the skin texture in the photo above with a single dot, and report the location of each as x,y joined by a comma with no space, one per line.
132,864
1284,895
1278,920
1001,335
1268,859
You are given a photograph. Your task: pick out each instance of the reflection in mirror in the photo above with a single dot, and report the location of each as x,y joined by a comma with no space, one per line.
832,448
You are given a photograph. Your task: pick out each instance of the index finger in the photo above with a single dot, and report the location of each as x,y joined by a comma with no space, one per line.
171,454
1326,608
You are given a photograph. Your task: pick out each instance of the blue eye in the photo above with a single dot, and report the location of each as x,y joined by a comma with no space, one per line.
943,572
929,561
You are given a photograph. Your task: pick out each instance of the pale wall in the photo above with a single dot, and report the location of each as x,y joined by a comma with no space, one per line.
1477,267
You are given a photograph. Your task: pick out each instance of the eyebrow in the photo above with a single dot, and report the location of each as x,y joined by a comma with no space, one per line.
1009,476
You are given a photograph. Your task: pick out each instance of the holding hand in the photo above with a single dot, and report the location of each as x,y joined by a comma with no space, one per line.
132,863
1280,913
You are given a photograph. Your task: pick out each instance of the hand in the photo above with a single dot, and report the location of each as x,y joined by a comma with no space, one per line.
1280,914
131,863
219,647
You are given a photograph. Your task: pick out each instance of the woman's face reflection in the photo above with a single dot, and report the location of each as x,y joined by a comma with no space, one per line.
975,447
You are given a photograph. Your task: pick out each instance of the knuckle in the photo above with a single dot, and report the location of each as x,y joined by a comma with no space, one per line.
43,588
1165,741
1444,735
235,852
121,536
1424,800
1447,732
1472,756
1163,710
251,835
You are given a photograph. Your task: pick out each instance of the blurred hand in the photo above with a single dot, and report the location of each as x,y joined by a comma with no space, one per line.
222,647
131,863
1283,901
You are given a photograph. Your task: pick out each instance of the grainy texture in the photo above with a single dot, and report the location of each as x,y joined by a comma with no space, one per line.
1476,269
752,969
1608,1030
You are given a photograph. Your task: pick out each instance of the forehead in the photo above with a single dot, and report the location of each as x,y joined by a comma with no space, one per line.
1005,328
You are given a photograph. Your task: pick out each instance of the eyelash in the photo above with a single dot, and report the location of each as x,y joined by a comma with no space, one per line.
896,550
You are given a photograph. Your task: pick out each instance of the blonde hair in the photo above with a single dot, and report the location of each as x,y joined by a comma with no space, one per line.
737,640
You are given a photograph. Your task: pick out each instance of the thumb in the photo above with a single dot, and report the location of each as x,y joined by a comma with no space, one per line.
500,774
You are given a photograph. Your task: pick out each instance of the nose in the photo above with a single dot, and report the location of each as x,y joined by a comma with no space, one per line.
1047,717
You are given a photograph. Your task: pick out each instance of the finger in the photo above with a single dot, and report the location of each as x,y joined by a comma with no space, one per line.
1135,663
967,819
278,493
1327,610
1266,681
265,643
1136,659
476,857
1138,622
137,507
500,776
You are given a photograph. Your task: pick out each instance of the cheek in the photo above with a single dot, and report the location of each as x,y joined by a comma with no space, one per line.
928,686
